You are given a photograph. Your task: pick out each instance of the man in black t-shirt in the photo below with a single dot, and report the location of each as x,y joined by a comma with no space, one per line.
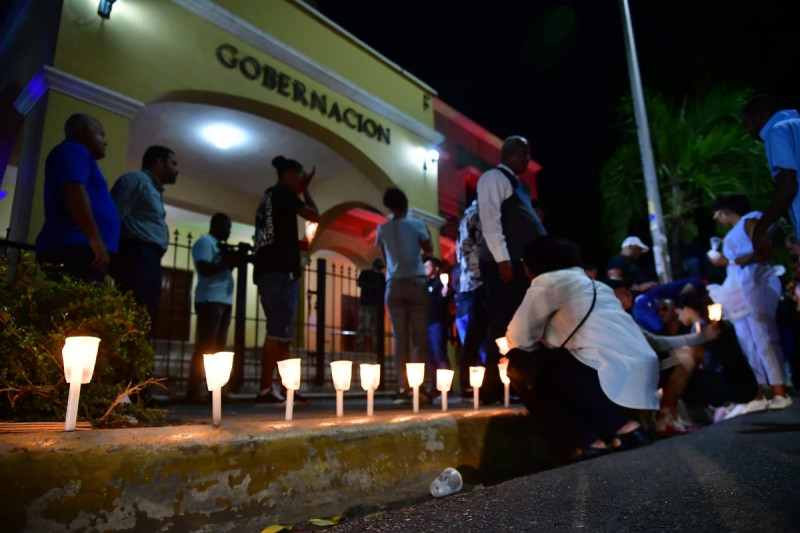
276,264
625,266
373,286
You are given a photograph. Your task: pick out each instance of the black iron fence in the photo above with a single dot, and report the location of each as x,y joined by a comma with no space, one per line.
325,329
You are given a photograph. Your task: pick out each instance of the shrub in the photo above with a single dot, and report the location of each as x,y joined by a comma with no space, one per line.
37,313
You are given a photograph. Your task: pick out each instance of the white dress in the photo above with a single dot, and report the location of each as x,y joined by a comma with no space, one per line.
761,287
609,341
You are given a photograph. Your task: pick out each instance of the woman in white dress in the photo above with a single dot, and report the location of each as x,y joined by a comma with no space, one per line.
761,288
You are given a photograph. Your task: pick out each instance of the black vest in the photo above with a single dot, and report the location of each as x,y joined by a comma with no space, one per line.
519,221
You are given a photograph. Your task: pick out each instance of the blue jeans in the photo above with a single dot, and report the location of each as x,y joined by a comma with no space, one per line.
278,292
472,323
437,350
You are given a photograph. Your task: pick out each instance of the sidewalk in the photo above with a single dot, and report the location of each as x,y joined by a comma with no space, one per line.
256,469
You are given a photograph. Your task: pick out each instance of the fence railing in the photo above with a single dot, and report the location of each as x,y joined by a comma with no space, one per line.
325,327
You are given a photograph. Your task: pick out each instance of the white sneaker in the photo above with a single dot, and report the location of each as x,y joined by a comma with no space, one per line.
735,410
780,402
756,405
721,413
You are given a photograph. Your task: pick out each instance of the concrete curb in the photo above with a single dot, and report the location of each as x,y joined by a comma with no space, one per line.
249,474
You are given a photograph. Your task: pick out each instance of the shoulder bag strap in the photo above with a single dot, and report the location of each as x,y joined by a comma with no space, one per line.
594,299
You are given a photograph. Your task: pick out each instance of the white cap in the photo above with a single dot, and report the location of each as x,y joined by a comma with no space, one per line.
635,241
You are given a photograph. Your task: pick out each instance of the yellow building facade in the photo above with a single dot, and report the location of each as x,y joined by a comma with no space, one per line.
228,85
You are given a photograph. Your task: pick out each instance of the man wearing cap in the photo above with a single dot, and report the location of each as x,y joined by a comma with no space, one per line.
372,284
624,265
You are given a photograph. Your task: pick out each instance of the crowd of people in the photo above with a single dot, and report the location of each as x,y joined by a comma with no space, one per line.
602,353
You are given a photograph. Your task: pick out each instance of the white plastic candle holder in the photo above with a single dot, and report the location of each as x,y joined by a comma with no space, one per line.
289,370
444,278
218,372
79,355
370,379
715,312
502,345
475,381
502,368
415,372
444,380
341,373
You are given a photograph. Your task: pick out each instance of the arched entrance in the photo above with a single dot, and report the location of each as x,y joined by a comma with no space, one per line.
230,176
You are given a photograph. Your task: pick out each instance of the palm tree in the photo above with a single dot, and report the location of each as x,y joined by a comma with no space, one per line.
701,151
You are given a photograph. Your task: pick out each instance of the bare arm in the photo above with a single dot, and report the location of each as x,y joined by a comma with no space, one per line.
80,209
231,261
785,192
308,211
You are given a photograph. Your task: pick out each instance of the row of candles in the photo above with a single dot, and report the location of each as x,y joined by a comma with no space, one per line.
370,374
80,354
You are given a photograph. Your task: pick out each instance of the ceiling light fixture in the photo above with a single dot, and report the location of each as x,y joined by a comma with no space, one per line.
223,136
104,9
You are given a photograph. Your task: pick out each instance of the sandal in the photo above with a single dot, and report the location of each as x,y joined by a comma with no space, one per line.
634,439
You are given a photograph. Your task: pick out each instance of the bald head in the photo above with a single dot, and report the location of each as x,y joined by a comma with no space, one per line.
86,130
515,153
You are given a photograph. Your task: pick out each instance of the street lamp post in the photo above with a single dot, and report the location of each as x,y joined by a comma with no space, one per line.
655,215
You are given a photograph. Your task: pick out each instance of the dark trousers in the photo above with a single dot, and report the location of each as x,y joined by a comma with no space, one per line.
502,302
472,320
137,269
75,261
213,320
708,387
565,401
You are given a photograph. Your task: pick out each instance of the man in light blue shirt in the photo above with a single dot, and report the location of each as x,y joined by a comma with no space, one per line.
144,235
780,130
213,296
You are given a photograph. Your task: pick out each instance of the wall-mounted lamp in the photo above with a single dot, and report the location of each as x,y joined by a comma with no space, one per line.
432,157
104,9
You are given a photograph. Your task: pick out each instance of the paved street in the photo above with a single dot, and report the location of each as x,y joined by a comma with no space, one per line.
739,475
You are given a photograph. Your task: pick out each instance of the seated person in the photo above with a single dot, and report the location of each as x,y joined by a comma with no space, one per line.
673,344
723,377
645,308
606,365
675,357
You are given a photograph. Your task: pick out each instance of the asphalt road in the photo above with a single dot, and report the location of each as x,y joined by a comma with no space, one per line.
740,475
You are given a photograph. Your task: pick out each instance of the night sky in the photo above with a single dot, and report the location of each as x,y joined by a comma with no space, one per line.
554,71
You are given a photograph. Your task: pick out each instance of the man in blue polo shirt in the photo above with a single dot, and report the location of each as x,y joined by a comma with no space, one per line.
81,222
779,128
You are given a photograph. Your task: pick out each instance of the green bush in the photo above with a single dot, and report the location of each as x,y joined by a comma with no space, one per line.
37,313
